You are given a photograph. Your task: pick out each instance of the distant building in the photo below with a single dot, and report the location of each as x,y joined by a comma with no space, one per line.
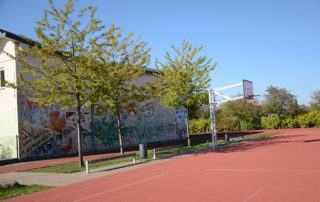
29,131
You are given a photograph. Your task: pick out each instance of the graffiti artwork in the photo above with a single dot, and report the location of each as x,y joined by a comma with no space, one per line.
51,131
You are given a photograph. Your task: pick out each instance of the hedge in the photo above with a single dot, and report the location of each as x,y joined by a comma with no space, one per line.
271,122
311,119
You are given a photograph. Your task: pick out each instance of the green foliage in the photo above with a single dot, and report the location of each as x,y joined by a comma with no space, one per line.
313,107
281,102
228,123
271,122
61,66
312,119
183,78
290,123
200,110
65,69
20,190
200,125
122,62
315,101
247,114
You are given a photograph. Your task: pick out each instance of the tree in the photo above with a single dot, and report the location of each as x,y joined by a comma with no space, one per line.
122,62
183,77
248,114
66,73
315,101
200,110
281,102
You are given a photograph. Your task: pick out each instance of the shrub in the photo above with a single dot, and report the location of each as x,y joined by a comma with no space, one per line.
230,123
271,122
199,125
289,123
311,119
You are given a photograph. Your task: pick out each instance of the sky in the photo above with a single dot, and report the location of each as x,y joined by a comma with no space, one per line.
269,42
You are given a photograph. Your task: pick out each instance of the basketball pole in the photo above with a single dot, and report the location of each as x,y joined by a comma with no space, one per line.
213,119
247,94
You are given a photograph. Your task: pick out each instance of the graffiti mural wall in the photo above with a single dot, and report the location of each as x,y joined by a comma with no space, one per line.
51,131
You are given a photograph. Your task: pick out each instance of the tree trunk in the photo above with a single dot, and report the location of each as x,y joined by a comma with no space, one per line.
119,132
186,114
81,164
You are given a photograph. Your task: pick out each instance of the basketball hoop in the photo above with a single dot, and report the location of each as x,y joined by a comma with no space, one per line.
247,94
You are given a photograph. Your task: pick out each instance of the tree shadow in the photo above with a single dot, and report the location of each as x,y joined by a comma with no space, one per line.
314,140
252,144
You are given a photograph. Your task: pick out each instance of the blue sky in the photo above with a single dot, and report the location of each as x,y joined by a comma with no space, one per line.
270,42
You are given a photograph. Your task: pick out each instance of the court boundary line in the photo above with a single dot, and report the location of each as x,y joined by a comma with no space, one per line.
260,170
278,189
122,187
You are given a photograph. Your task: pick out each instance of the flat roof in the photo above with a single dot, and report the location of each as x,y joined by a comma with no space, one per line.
22,39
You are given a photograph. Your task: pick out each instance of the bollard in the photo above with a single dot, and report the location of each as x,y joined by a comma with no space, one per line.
143,151
154,153
226,137
87,167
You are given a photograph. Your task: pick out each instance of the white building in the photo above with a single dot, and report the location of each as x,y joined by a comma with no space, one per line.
29,131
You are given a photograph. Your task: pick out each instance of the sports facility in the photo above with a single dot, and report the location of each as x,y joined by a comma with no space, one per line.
284,167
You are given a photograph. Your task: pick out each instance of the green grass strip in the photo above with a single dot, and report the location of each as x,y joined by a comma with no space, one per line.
74,166
254,137
19,190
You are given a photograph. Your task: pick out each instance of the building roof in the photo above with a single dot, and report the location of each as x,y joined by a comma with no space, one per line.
22,39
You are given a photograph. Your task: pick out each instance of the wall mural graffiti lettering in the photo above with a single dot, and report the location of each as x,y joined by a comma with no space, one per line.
51,131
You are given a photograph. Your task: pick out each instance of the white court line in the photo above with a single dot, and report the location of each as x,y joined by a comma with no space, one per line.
108,182
261,170
279,189
296,190
122,187
254,194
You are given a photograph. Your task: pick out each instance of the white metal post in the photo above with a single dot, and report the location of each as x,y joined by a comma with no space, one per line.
213,119
87,167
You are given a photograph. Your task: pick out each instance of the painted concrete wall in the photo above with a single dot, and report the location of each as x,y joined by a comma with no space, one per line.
51,131
8,104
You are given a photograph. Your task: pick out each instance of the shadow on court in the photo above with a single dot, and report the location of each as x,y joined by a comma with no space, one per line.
253,144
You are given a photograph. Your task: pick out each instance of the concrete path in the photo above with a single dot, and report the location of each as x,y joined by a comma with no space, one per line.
60,179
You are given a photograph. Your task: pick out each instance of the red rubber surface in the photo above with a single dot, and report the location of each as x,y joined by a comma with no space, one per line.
282,168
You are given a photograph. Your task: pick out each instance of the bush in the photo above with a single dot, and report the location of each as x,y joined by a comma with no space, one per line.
311,119
271,122
230,123
289,123
199,125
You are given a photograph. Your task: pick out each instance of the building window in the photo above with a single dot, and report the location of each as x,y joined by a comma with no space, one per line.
1,78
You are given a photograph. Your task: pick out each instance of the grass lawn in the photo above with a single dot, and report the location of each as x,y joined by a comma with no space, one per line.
19,190
257,136
74,166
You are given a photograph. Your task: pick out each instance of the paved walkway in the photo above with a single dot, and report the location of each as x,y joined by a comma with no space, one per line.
61,179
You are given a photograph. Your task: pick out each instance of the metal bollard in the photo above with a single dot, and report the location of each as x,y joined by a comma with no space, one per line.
143,151
87,167
226,137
